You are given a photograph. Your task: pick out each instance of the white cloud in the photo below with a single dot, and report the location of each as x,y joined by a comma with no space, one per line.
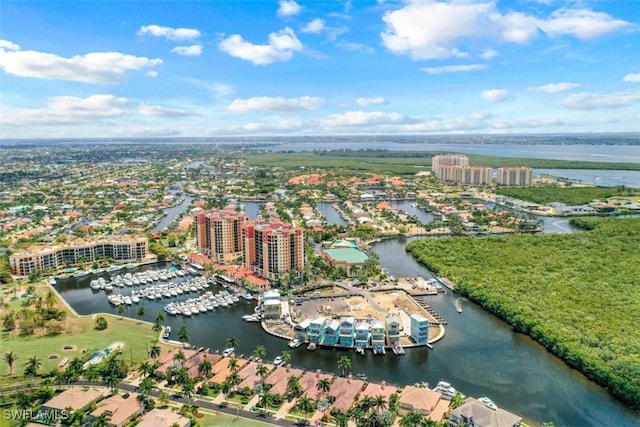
316,26
554,87
152,73
148,132
367,102
594,101
265,103
632,78
455,68
354,47
193,50
425,29
96,67
430,29
63,110
364,118
581,23
6,44
495,95
281,47
156,110
288,8
175,34
489,54
526,123
282,127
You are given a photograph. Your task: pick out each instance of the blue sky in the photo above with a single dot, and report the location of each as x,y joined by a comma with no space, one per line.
216,68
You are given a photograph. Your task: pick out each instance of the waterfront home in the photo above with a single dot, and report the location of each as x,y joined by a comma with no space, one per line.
249,375
309,383
347,331
279,377
301,330
331,333
220,371
163,418
419,329
67,403
377,333
345,390
392,326
271,305
475,413
119,409
316,328
378,389
362,334
422,400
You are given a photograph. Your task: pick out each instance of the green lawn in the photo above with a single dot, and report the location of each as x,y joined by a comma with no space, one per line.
219,419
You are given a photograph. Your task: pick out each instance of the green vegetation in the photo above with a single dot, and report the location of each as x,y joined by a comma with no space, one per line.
567,195
577,294
407,162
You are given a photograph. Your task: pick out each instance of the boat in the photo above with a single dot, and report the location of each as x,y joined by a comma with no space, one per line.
278,361
457,305
488,403
294,343
361,376
114,268
80,273
312,346
228,351
52,281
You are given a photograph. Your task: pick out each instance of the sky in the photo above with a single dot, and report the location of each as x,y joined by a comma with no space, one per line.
93,69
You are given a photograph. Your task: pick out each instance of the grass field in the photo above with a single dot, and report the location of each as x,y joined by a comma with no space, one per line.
81,335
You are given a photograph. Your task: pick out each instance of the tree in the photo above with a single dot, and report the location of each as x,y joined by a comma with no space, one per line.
160,318
157,327
324,385
262,372
286,356
180,357
380,402
145,368
412,419
188,388
232,342
154,350
344,363
32,366
260,352
146,386
183,334
293,386
101,323
204,368
10,357
141,312
306,405
456,401
341,419
122,309
264,400
233,364
50,299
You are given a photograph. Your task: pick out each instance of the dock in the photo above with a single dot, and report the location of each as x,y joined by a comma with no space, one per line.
438,319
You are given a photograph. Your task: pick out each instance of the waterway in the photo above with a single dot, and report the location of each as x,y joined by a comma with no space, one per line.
173,212
480,355
603,178
330,213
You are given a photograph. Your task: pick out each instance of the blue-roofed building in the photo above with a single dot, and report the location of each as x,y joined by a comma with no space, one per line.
347,331
331,334
419,329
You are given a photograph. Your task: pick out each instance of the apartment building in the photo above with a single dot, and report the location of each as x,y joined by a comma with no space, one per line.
515,176
440,161
219,234
116,248
273,250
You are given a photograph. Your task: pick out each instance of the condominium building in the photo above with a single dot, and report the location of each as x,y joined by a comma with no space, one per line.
219,234
442,160
476,175
515,176
116,248
273,250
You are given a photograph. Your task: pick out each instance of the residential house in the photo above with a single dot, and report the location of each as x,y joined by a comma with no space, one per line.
272,308
419,329
422,400
316,328
362,334
301,330
68,402
163,418
392,326
331,333
119,409
474,413
377,333
347,331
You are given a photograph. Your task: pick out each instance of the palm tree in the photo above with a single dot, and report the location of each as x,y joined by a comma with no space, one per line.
180,357
380,402
260,352
262,372
341,419
204,368
264,400
145,368
111,381
32,366
293,386
324,385
141,312
357,414
160,318
146,386
10,357
306,405
234,379
394,401
183,334
226,389
188,388
92,373
411,419
344,363
163,400
233,364
367,403
50,299
157,327
154,350
232,342
286,356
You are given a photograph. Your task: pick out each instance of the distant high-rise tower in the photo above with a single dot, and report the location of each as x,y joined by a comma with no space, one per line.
442,161
219,234
515,176
272,250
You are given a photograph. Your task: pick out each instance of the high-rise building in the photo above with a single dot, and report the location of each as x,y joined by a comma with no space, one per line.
515,176
442,160
476,175
219,234
272,250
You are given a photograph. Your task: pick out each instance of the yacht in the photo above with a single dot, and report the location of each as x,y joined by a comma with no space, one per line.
312,346
52,280
278,361
80,273
228,351
488,403
114,268
295,343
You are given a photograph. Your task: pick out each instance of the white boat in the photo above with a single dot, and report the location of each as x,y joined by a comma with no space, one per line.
295,343
278,361
135,299
488,403
52,280
80,273
312,346
114,268
228,351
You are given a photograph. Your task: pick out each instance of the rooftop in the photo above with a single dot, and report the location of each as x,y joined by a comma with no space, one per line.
348,255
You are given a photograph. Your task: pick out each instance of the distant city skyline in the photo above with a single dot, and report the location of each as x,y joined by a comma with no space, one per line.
94,69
